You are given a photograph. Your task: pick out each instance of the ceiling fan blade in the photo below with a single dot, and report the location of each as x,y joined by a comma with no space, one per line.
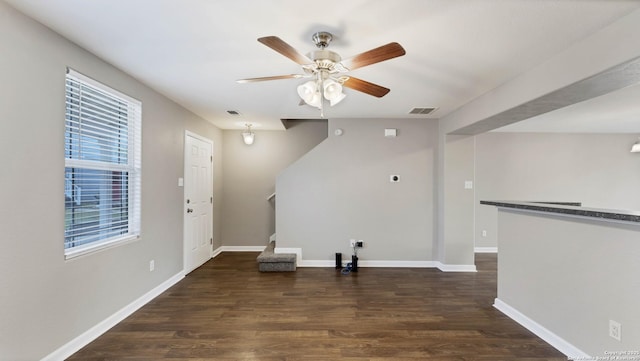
365,87
276,77
382,53
285,49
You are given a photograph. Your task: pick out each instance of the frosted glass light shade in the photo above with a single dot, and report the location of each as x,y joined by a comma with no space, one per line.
333,91
248,137
310,94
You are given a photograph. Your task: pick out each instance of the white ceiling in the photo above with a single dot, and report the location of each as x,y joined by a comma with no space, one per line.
193,51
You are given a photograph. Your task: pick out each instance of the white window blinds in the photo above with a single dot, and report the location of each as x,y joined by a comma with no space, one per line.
102,166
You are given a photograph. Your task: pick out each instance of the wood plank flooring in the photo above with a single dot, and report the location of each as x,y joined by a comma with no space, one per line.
227,310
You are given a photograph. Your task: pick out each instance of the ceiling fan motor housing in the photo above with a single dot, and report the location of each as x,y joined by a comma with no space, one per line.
322,39
325,59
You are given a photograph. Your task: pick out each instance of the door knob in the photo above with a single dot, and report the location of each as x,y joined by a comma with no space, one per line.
189,210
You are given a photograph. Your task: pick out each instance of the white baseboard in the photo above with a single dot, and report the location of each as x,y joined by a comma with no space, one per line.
376,263
391,264
316,263
397,264
361,263
485,249
297,251
242,248
456,267
551,338
216,252
370,264
94,332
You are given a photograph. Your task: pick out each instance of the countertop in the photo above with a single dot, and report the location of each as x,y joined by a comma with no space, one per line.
570,209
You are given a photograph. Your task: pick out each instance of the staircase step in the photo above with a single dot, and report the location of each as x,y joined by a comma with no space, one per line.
269,261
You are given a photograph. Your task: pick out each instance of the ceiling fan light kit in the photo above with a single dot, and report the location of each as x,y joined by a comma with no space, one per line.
325,66
325,87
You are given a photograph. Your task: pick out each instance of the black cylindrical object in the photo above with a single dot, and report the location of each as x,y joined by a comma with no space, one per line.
354,263
338,260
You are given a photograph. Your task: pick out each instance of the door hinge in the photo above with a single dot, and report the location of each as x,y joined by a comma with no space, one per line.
211,241
211,158
211,200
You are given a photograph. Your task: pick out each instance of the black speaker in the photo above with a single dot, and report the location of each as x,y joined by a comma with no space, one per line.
338,260
354,263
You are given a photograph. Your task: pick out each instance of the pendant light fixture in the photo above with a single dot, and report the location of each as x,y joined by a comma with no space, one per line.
248,136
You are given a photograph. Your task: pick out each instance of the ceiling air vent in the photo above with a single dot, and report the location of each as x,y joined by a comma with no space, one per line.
422,111
233,112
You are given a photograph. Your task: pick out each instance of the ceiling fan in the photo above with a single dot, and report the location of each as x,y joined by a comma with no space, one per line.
327,67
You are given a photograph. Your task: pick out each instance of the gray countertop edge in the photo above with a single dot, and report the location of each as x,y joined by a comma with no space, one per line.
564,208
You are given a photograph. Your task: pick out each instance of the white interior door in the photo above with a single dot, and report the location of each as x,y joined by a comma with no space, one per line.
198,201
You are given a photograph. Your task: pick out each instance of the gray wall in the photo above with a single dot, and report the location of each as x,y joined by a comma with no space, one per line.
250,177
46,301
595,169
572,276
341,190
458,201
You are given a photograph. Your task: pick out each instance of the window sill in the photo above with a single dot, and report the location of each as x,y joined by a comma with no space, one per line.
76,252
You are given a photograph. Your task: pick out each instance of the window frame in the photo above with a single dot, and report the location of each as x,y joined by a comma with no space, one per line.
133,167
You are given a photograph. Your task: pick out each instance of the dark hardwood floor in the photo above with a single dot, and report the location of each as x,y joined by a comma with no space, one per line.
227,310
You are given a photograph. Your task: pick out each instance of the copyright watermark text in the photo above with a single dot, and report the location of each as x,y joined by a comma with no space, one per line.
611,356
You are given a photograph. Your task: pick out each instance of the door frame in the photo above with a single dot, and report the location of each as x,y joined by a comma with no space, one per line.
188,133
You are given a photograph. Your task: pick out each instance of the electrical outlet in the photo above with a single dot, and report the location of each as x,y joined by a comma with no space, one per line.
484,233
152,265
352,243
615,330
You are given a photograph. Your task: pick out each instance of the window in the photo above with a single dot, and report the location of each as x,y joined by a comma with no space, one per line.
102,166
